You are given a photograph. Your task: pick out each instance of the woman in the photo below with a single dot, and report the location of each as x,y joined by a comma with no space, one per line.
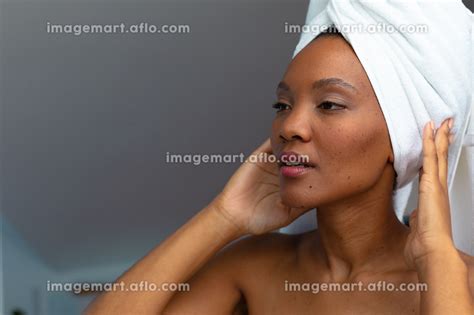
327,111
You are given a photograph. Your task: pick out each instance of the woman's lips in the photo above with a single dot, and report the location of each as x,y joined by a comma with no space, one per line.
293,164
294,171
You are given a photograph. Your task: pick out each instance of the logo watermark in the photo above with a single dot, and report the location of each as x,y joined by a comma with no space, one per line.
356,28
142,286
379,286
198,159
120,28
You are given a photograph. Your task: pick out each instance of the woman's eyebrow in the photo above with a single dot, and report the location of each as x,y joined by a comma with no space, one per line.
333,81
282,87
321,83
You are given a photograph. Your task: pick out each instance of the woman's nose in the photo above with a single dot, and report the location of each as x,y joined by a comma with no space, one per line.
296,126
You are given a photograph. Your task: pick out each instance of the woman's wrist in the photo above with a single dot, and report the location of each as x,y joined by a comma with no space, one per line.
226,227
447,265
444,256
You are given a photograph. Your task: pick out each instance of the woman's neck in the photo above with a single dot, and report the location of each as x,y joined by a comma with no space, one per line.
362,233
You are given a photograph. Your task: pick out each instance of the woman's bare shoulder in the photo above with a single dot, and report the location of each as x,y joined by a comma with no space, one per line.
261,246
261,251
238,267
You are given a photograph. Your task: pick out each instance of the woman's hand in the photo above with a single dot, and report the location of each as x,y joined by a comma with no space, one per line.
430,248
251,199
430,224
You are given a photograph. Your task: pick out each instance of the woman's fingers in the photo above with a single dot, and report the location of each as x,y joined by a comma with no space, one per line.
442,146
435,153
263,158
265,147
430,156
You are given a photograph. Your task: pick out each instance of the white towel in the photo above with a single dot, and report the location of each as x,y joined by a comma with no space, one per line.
416,76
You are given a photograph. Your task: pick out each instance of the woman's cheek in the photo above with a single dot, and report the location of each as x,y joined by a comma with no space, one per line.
353,157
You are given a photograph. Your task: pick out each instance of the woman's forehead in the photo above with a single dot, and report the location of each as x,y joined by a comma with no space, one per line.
327,57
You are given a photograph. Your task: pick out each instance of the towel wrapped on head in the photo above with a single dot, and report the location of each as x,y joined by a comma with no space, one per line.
418,56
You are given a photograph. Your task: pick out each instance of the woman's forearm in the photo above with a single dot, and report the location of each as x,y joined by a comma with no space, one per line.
173,261
448,292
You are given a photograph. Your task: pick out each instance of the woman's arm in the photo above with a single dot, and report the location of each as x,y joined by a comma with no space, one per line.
173,262
446,275
430,248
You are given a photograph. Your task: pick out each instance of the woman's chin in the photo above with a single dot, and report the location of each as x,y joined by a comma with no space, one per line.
296,198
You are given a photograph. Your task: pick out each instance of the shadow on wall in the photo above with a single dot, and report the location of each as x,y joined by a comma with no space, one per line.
25,285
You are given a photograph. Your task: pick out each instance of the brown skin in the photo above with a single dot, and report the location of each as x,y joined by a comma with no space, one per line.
358,236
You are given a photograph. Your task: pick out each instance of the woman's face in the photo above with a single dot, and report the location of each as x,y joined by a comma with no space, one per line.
328,111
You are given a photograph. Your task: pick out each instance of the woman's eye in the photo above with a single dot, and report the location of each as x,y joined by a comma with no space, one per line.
328,105
280,106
